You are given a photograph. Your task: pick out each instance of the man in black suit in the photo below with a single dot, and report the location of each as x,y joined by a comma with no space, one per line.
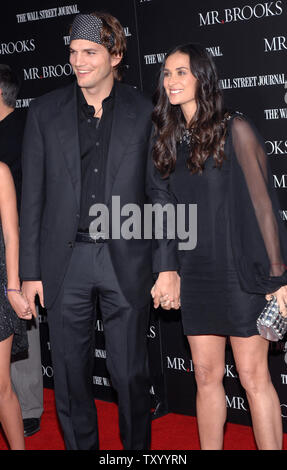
84,145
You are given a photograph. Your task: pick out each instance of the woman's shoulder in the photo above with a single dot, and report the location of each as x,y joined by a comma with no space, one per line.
4,169
230,116
238,122
5,174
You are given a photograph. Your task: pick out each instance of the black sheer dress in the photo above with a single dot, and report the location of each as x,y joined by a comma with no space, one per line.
239,253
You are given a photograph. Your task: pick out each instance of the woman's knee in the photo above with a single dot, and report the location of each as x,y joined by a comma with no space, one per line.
208,375
254,379
5,389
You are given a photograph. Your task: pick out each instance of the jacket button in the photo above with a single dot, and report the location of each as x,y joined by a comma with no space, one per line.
70,244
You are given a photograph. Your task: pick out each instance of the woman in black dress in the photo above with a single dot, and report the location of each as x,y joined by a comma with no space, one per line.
14,310
216,160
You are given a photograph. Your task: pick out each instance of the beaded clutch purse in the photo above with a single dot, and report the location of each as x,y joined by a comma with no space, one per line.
270,323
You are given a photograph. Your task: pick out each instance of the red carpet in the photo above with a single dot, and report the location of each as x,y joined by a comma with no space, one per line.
171,432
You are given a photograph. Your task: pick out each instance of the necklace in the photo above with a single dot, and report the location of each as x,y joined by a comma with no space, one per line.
98,111
186,137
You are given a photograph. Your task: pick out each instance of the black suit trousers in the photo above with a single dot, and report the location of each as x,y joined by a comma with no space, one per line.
90,277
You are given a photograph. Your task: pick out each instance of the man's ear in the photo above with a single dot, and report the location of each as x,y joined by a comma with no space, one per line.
116,58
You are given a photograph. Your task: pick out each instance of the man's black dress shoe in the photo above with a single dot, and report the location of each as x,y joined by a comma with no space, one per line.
31,426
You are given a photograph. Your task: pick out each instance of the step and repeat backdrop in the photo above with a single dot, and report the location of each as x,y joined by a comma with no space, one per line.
248,42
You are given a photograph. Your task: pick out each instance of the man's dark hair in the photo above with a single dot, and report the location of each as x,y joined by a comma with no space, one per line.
9,84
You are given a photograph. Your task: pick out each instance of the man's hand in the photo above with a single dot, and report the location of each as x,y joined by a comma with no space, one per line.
30,289
166,291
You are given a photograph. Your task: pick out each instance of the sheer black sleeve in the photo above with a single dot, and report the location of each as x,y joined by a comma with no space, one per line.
165,257
259,237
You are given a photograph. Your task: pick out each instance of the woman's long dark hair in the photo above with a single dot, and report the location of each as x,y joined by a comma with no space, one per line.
208,127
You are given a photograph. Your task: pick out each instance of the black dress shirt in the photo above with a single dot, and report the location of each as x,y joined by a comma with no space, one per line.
94,136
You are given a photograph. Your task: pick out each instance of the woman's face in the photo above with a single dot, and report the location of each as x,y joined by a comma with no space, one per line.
180,84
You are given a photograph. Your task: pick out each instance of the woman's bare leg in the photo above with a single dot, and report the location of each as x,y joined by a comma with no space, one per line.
10,412
208,357
251,358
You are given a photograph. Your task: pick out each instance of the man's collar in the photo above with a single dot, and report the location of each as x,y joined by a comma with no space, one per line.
89,110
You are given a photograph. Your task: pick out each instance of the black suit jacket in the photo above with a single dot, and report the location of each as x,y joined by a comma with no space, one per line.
52,187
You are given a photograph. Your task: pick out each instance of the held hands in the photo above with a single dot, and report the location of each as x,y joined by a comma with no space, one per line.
281,296
19,304
166,291
30,289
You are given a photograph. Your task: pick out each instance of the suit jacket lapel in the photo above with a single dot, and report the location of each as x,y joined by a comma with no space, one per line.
66,125
122,130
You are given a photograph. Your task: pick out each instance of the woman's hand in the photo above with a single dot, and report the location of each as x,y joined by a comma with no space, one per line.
281,296
166,291
20,305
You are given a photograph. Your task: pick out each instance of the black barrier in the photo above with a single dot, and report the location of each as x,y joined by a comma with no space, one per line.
248,42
